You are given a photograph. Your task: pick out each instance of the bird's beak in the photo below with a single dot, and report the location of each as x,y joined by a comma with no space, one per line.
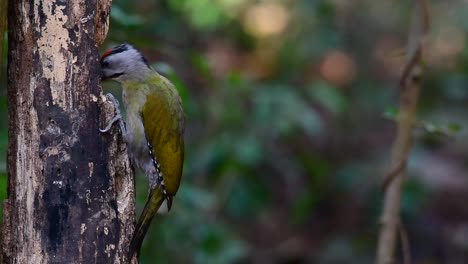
103,76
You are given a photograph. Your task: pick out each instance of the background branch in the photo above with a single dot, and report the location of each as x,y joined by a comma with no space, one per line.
410,86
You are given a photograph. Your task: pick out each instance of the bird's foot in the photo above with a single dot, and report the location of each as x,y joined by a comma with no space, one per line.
117,117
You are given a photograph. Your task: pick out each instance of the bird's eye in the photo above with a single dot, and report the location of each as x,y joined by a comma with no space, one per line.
105,64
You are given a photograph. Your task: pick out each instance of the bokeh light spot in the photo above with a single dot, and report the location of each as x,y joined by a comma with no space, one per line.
266,19
338,68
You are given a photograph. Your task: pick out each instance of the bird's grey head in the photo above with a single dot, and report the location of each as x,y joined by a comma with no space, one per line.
124,62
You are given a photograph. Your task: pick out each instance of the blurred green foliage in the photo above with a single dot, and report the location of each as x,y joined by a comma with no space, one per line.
287,138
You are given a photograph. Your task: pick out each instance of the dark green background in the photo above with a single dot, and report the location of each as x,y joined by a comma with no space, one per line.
287,139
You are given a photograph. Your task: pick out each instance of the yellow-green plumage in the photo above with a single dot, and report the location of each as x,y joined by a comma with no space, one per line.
165,131
154,131
156,104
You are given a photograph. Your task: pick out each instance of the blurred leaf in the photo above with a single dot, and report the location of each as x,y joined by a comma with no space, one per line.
124,18
199,198
440,130
248,197
217,246
281,110
454,127
201,64
391,112
329,96
413,198
431,128
454,86
304,206
204,14
235,79
339,250
248,151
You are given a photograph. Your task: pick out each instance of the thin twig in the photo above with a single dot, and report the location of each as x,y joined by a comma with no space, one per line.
410,86
393,173
409,67
405,245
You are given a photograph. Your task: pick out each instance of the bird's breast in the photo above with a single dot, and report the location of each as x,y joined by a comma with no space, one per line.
135,135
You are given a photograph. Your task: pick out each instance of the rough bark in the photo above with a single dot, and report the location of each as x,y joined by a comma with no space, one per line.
71,189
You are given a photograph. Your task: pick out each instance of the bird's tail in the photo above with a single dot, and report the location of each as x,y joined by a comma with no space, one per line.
155,199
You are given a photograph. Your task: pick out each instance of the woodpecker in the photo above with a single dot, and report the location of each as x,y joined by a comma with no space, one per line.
154,129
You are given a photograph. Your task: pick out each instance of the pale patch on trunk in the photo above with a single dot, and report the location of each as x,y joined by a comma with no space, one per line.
52,47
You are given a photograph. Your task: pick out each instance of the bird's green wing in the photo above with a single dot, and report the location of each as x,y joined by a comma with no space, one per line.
163,119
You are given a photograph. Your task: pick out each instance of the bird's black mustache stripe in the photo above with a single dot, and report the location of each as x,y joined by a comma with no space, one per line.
115,75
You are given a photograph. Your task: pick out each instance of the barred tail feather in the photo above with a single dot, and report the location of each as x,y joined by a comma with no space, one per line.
155,199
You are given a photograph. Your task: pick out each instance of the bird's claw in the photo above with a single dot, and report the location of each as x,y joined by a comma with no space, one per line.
117,117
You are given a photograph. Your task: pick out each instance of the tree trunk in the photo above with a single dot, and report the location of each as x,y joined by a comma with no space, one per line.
71,188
